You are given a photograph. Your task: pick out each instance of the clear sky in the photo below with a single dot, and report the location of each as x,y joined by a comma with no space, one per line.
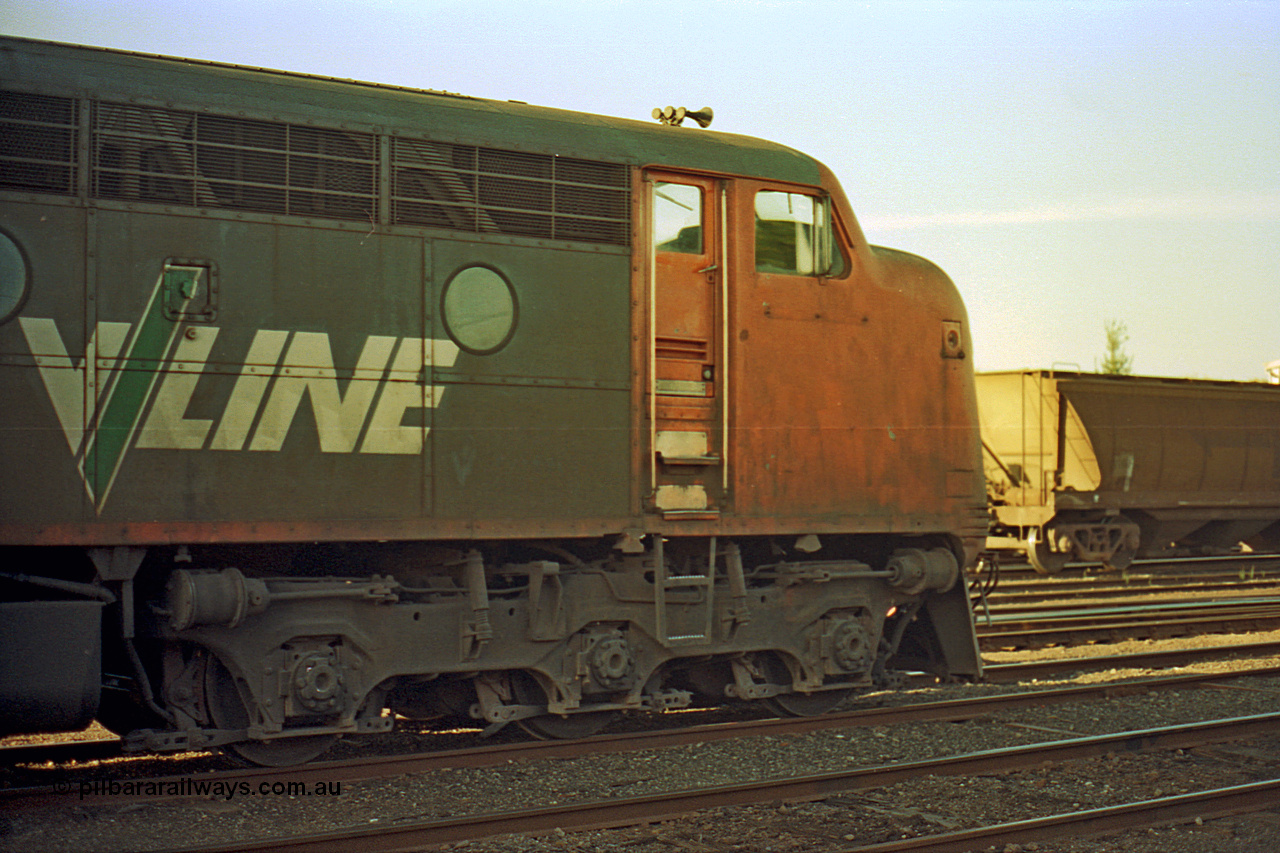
1068,162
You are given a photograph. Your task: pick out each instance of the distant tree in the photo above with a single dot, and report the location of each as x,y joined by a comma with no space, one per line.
1116,361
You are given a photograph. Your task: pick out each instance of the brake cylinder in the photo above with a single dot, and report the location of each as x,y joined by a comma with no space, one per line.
913,570
225,598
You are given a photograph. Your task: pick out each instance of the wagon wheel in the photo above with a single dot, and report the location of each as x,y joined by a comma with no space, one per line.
525,690
800,704
1120,559
1043,560
227,710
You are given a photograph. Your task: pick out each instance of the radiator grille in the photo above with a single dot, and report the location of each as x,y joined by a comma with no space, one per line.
508,192
38,137
197,160
193,159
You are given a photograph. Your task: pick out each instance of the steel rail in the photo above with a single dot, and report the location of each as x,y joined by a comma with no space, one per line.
630,811
1104,615
357,769
1161,565
1216,803
1072,580
1049,631
1060,632
1147,631
1256,570
1259,567
1042,598
1024,670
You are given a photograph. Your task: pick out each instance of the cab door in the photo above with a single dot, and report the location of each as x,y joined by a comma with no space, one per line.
686,345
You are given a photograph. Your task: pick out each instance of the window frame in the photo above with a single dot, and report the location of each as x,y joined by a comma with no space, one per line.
828,258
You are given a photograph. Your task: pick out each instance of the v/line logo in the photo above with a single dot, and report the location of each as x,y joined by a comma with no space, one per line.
135,382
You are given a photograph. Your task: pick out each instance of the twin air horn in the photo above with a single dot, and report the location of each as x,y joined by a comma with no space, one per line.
675,115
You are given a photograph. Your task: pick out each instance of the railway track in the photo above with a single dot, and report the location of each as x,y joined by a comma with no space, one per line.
1201,806
1155,600
380,767
1030,596
1193,573
630,811
1129,622
401,774
82,752
407,766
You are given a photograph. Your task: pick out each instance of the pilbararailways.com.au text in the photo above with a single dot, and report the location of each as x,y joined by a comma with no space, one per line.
190,787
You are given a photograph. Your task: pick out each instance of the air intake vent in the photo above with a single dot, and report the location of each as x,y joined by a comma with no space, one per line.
488,190
196,160
37,143
687,349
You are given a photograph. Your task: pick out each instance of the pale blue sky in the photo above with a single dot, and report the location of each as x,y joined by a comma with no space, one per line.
1066,162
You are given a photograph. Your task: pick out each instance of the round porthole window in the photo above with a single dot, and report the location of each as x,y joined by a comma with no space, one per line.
13,277
479,309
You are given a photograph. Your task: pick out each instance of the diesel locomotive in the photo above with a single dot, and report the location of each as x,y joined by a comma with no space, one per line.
326,402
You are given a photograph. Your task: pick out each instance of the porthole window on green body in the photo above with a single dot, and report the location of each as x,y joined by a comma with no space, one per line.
479,309
14,278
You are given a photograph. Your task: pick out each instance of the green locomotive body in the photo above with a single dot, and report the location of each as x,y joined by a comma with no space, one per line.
324,397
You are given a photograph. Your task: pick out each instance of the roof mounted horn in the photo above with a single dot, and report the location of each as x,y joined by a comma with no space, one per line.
675,115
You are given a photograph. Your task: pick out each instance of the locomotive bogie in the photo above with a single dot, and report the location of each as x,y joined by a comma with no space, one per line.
310,658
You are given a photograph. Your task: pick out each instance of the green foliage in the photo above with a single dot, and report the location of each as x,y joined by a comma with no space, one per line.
1116,361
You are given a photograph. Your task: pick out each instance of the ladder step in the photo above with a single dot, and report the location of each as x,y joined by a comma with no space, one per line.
686,581
691,514
711,459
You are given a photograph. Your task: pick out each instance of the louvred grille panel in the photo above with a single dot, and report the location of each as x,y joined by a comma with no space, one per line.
193,159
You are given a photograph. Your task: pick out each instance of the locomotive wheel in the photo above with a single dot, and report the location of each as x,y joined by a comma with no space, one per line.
227,711
526,691
1043,560
800,704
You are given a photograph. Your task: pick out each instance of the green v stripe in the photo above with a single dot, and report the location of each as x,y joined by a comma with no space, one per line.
119,413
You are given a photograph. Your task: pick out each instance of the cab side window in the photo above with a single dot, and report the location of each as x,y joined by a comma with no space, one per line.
677,218
794,235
